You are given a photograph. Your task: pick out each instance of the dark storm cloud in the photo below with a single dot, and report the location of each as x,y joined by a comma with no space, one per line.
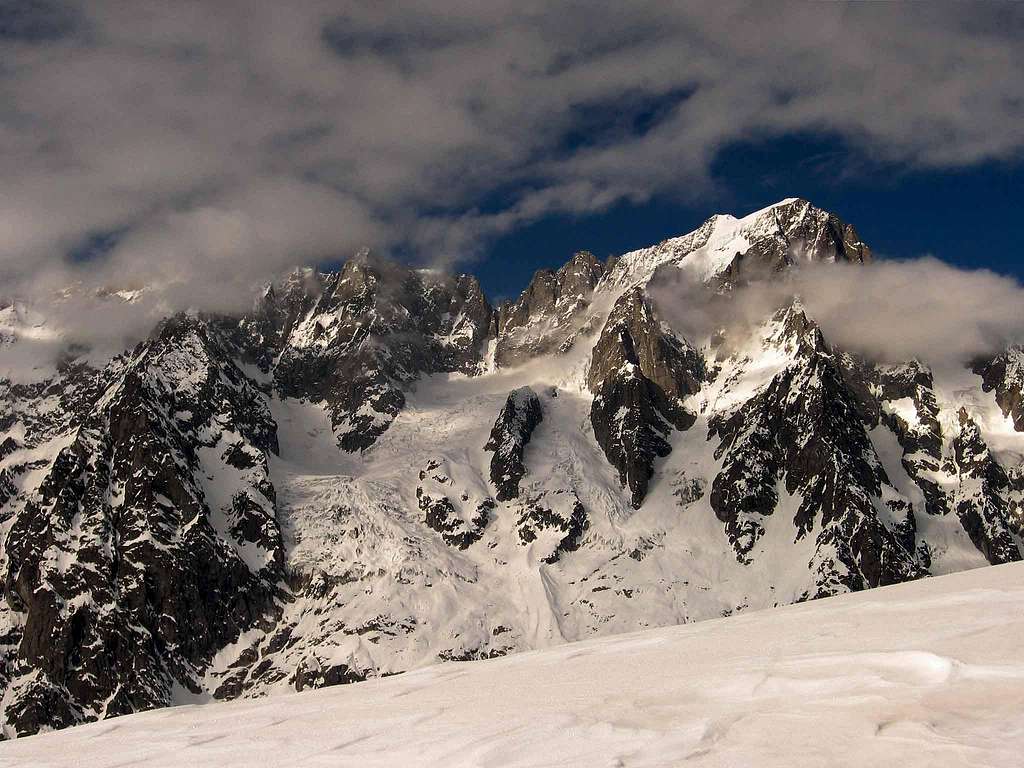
224,141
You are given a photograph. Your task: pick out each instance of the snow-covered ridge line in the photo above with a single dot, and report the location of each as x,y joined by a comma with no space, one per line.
790,229
925,674
338,486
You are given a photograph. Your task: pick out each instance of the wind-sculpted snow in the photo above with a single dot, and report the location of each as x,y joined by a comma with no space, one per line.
926,674
374,470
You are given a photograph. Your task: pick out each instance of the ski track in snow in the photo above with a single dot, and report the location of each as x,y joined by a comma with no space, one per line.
922,674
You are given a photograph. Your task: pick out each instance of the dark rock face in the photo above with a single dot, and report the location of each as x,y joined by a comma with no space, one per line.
511,432
632,417
634,335
921,441
313,674
982,499
640,372
804,431
918,432
454,513
129,559
1004,374
560,513
979,490
540,321
44,410
263,334
355,338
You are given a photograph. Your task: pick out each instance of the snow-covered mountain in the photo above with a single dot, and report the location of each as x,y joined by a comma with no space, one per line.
375,469
925,674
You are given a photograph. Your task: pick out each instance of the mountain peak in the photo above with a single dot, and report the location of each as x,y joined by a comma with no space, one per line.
725,249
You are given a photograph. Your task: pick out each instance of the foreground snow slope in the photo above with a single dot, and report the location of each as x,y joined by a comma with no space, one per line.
928,673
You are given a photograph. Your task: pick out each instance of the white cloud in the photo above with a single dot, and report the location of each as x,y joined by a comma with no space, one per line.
888,311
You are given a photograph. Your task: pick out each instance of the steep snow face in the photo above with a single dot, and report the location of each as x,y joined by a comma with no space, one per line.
392,566
374,471
723,247
924,674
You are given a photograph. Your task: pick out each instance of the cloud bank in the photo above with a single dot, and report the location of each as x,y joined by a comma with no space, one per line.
198,144
887,311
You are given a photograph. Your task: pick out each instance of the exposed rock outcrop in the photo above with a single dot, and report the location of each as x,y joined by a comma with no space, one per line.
1004,375
454,513
640,373
152,541
545,317
511,432
802,435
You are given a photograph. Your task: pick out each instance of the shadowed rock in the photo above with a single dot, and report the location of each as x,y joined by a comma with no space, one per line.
512,430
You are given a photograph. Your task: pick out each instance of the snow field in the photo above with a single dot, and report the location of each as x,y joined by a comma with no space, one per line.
922,674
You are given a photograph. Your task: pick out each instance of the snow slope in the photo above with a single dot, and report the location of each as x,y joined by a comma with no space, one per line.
928,673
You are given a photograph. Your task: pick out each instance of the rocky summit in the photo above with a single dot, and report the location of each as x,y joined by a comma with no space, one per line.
375,469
